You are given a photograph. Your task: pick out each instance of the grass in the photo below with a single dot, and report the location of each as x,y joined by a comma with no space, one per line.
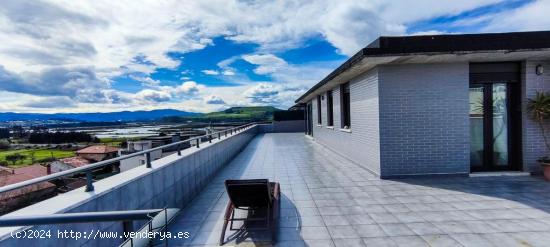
39,156
115,142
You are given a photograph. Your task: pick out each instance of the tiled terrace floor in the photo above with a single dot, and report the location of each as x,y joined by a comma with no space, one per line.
330,201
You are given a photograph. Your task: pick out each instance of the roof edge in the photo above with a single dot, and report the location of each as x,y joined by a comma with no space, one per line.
441,44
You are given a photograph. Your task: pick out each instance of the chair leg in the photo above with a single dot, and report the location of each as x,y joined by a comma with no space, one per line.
228,213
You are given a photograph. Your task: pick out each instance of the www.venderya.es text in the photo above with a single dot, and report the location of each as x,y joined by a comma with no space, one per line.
96,234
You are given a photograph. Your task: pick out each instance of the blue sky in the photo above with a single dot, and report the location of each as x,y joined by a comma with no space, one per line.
83,56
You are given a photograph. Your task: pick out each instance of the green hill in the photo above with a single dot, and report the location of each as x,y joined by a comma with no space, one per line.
233,114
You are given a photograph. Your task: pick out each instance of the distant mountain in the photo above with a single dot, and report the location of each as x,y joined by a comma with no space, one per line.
124,116
233,114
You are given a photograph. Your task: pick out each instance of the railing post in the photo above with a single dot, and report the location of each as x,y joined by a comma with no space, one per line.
219,135
210,138
127,226
179,149
148,160
225,132
198,142
89,182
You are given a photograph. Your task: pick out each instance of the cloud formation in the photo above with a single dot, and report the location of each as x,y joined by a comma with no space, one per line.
214,100
65,49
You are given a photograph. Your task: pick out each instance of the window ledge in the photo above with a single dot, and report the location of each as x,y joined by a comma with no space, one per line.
346,130
319,125
329,127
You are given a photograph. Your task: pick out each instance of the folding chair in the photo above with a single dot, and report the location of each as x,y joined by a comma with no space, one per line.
252,195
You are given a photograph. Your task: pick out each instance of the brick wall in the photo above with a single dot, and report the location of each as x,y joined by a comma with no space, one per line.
413,119
361,145
424,124
533,143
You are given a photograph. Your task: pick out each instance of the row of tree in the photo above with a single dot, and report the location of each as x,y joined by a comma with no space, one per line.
61,137
4,133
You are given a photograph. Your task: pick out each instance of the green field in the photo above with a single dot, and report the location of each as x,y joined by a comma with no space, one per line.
38,154
115,142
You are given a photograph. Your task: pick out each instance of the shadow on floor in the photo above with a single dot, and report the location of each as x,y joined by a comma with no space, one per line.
508,191
244,235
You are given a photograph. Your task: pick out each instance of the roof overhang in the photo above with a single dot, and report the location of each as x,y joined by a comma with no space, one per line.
448,49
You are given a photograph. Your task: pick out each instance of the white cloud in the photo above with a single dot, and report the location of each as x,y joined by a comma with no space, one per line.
146,81
50,102
228,72
531,17
214,100
157,94
188,88
273,94
267,63
74,49
210,72
153,95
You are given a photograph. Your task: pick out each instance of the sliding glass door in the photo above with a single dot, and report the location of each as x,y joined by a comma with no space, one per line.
490,139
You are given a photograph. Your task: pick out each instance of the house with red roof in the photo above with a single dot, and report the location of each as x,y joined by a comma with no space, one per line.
98,152
84,157
27,195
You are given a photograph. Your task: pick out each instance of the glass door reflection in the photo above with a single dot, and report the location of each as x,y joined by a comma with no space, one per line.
476,126
500,124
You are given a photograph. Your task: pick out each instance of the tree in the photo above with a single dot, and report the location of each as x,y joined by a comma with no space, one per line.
4,145
33,157
59,137
18,131
539,107
14,158
4,133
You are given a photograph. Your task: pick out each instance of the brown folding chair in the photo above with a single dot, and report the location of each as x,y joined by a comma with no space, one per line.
252,195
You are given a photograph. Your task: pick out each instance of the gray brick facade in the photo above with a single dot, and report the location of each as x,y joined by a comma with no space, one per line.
424,121
532,142
362,143
413,119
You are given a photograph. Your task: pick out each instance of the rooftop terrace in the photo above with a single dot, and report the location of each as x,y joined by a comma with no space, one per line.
328,200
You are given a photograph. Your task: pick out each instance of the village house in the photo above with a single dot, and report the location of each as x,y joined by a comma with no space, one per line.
27,195
84,157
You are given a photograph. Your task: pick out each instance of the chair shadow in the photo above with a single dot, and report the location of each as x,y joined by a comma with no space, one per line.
290,224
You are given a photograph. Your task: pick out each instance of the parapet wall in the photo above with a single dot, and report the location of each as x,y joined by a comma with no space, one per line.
283,126
172,182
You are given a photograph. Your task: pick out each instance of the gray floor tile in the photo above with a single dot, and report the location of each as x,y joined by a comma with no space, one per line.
409,217
424,228
321,188
399,229
450,227
381,218
440,241
409,241
472,240
342,232
314,233
349,242
360,219
379,242
335,220
366,231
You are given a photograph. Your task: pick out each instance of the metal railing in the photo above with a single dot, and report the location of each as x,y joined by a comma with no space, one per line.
157,220
67,218
87,169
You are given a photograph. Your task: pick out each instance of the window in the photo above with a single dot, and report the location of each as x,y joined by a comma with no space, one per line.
330,121
319,110
345,106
